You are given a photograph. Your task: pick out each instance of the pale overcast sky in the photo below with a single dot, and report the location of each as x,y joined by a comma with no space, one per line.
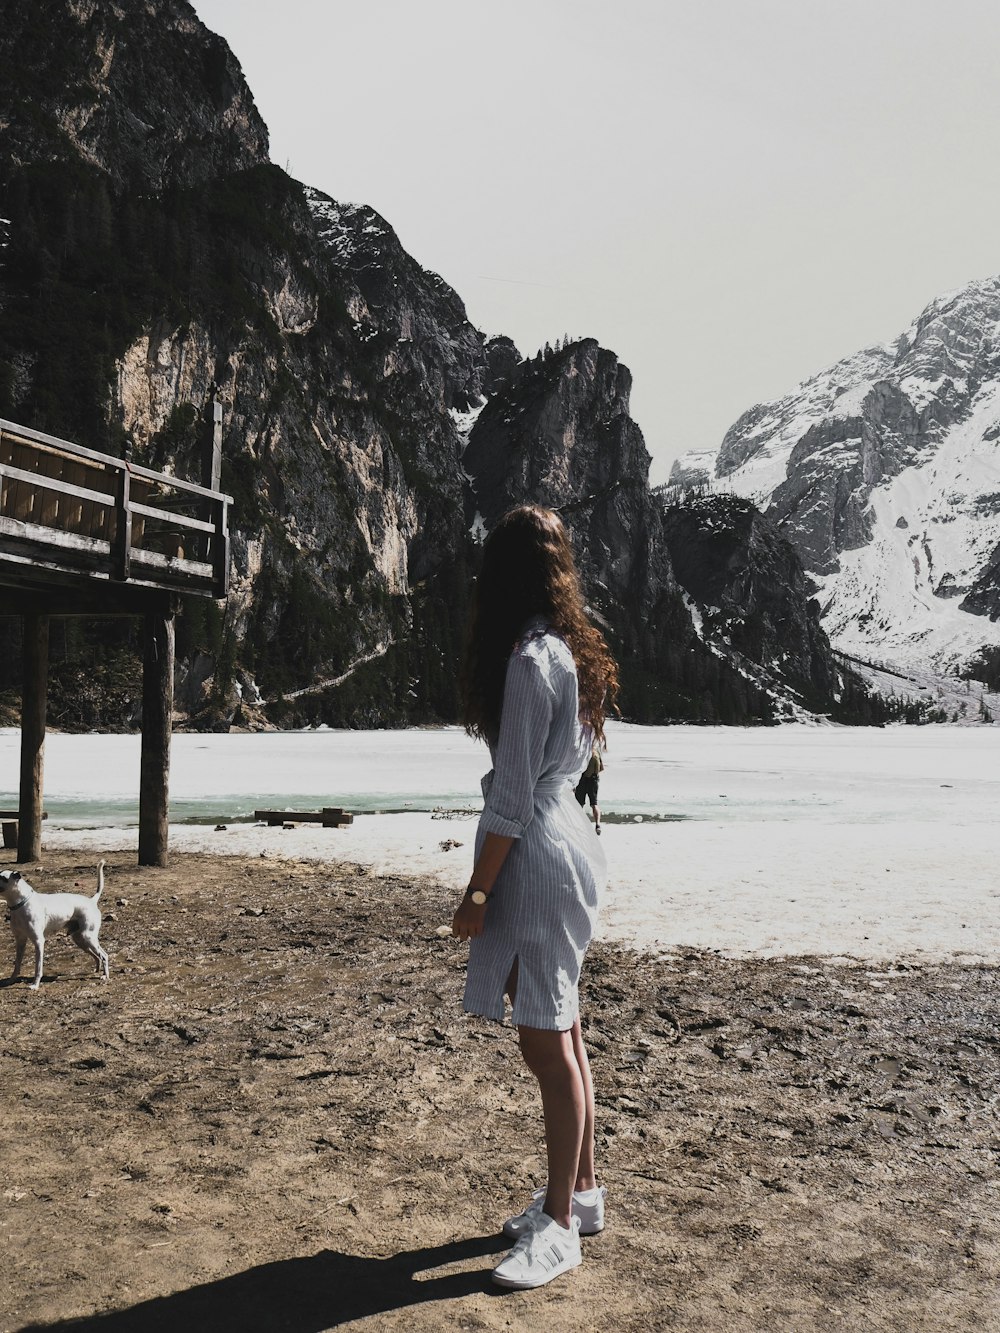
730,194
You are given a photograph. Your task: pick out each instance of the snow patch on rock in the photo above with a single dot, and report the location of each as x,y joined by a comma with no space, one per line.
884,471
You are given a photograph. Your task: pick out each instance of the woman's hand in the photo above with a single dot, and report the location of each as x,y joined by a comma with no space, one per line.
467,922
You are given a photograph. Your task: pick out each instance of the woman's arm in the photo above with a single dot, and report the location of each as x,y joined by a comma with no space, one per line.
525,718
468,919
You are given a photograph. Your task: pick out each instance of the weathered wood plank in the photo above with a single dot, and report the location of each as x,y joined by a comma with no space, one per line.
21,500
34,437
171,562
177,483
175,519
34,563
42,481
45,539
52,537
72,510
48,510
329,816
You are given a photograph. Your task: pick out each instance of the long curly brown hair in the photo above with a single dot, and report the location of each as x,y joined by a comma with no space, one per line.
528,570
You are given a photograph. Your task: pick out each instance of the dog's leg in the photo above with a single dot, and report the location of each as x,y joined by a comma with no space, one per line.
92,945
19,948
39,943
89,943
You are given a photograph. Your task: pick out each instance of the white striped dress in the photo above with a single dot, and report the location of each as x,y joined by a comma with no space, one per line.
543,907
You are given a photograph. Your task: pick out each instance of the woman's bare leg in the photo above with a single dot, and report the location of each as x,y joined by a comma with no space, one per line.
511,986
552,1059
586,1177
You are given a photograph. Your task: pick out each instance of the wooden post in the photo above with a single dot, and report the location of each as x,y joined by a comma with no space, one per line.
157,707
220,548
35,654
211,462
211,479
121,547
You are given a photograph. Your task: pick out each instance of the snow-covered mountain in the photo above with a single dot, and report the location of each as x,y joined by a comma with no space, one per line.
884,473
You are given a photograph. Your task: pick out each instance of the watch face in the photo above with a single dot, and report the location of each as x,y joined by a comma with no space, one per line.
478,897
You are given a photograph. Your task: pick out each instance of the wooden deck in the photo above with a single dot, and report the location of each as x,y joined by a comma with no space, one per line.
68,513
86,534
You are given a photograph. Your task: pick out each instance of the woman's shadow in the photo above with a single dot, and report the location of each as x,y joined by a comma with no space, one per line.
304,1295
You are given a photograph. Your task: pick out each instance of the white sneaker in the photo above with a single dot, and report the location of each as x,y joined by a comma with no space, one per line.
589,1215
542,1252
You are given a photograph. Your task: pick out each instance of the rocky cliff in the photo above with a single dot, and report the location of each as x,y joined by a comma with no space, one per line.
139,89
750,601
884,473
153,258
557,431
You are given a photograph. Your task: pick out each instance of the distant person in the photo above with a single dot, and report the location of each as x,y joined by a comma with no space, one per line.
586,788
537,679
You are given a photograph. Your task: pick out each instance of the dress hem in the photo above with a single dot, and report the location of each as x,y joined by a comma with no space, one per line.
509,1020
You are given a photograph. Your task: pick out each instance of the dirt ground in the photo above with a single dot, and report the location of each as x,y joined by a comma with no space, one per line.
276,1117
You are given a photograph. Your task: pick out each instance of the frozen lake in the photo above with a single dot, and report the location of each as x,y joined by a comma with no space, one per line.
791,840
716,773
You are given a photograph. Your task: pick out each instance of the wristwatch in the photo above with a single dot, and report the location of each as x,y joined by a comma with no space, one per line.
477,896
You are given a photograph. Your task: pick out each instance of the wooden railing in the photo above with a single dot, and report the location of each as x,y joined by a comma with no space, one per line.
69,510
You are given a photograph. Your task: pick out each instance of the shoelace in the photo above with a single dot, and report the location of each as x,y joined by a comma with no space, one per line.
525,1245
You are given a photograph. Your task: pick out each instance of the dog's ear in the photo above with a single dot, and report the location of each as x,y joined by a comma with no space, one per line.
14,876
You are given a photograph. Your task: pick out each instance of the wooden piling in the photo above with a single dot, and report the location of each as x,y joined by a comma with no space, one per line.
34,693
157,707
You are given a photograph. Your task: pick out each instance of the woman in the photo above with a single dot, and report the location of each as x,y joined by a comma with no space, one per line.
537,679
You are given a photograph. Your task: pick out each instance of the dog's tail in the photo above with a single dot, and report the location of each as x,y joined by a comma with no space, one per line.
100,880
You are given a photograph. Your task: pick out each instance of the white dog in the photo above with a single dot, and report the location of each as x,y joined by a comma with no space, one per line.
35,915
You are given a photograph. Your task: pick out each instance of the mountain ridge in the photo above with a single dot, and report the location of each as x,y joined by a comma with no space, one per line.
884,473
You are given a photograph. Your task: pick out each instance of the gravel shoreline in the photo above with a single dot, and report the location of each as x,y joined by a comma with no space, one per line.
276,1116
